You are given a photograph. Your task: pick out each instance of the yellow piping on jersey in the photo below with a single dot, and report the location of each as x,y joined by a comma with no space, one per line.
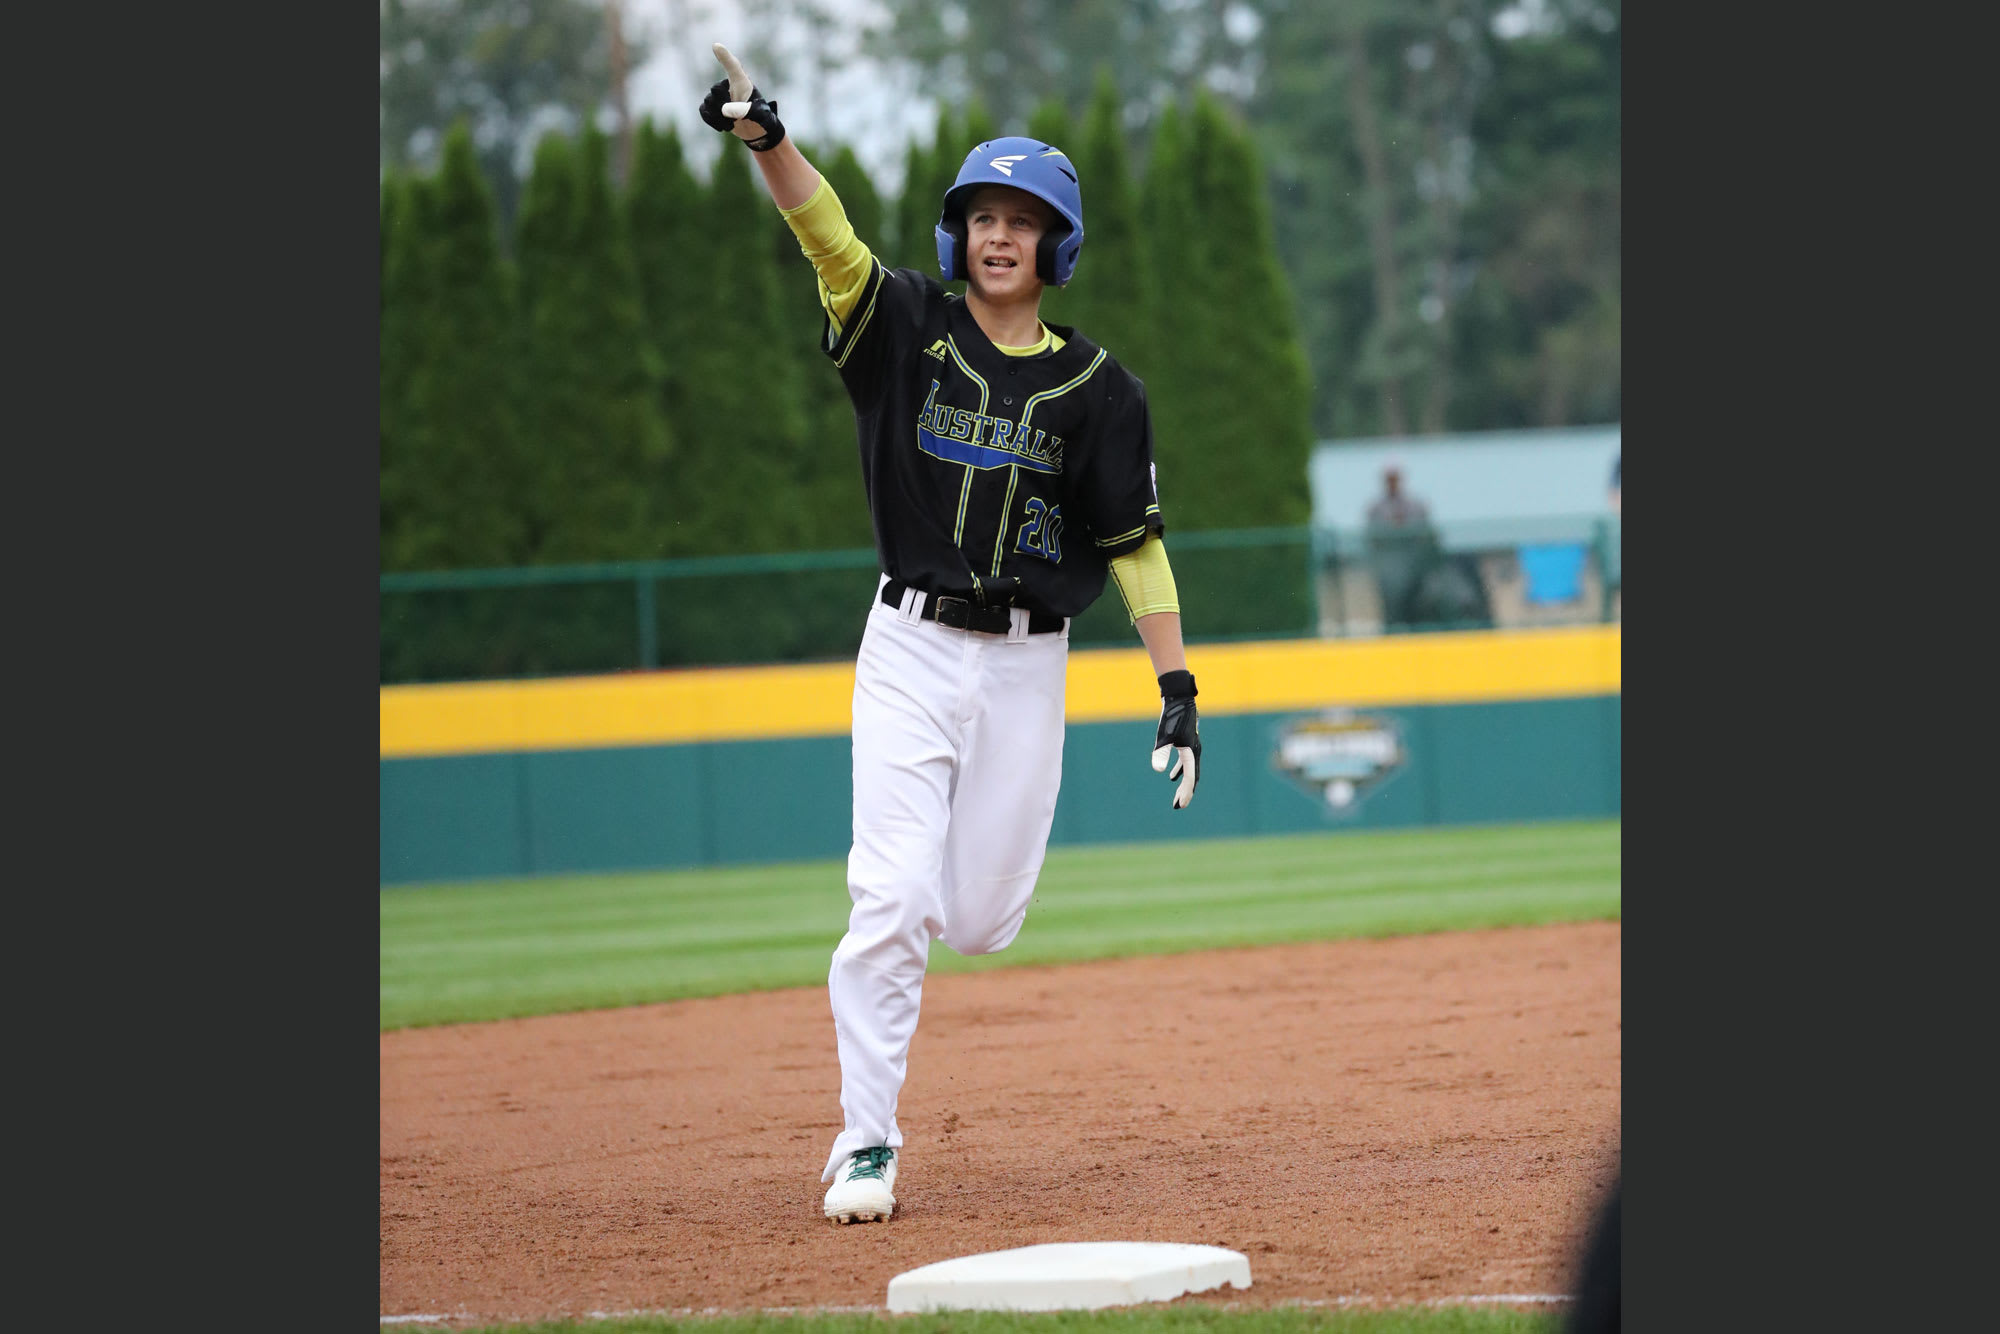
854,335
1029,410
965,491
964,494
1128,535
951,345
1006,509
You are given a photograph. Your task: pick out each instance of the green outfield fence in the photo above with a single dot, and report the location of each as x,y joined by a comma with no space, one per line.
559,620
796,607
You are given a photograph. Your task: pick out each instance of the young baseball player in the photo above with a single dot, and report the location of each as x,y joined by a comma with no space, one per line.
1009,466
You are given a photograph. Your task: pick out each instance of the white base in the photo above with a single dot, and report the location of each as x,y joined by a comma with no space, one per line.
1068,1276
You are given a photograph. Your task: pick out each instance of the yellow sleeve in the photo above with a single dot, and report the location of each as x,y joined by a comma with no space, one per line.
842,260
1145,580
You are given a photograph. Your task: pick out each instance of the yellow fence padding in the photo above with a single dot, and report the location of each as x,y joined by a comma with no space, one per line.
1105,685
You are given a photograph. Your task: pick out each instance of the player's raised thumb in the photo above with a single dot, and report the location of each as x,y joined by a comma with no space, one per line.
1160,759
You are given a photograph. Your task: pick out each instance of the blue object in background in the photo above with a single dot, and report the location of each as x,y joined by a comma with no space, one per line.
1553,570
1486,490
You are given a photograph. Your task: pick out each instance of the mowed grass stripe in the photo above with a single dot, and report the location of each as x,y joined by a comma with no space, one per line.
626,900
1385,915
588,923
1298,883
488,950
644,892
1142,878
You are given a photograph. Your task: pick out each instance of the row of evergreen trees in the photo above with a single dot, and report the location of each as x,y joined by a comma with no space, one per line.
635,373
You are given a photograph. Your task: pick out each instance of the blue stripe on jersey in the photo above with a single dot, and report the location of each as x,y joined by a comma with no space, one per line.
976,456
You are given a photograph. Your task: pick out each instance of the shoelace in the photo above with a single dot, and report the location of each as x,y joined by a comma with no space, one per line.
869,1163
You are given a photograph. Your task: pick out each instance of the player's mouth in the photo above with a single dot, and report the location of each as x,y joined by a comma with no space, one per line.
999,264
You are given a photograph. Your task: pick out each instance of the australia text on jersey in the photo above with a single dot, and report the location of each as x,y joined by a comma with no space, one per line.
960,435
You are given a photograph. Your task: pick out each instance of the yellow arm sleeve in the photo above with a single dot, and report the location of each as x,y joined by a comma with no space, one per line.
1145,580
842,260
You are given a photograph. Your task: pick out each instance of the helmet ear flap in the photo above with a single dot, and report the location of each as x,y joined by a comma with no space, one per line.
1045,254
952,238
952,246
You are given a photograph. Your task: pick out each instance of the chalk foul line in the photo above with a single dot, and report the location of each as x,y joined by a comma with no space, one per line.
1470,1299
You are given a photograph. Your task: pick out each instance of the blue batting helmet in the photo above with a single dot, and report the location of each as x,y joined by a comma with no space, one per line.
1026,164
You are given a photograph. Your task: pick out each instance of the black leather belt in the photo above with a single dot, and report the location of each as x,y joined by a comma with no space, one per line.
963,614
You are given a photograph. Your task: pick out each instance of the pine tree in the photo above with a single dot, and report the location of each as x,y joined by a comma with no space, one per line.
1110,299
1255,417
603,449
1175,353
408,283
1211,389
955,142
543,226
978,128
923,195
469,508
391,199
544,238
663,205
738,485
913,223
1050,123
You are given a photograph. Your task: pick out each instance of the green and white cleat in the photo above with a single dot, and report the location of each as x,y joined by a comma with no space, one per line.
863,1189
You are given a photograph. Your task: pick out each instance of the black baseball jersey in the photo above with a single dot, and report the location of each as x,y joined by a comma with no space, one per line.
991,475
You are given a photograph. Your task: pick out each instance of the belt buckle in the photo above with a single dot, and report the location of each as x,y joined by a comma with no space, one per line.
953,613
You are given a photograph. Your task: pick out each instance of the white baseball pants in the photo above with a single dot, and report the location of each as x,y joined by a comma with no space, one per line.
958,739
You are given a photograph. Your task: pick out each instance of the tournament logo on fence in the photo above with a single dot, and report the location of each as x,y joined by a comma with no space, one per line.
1339,756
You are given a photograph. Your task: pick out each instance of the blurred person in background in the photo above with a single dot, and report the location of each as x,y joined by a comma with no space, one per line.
1396,508
1403,548
1617,463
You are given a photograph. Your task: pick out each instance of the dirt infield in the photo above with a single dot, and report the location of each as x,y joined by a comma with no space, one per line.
1387,1120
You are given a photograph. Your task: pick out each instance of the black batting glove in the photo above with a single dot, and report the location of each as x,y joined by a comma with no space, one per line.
763,115
1179,735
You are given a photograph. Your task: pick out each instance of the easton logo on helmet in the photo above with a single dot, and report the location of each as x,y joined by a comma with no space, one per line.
1005,165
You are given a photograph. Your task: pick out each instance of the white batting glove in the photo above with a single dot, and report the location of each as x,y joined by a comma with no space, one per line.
1179,735
735,106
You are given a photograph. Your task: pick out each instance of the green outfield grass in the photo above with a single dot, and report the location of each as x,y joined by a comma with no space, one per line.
498,949
1188,1319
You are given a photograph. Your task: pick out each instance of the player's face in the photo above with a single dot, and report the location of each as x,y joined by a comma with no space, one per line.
1002,228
